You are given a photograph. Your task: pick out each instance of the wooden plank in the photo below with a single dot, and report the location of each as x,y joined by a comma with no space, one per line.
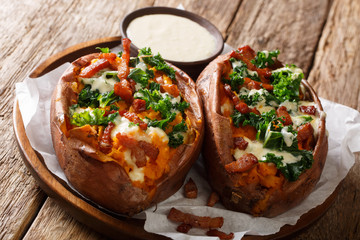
26,40
337,61
293,27
219,13
53,222
335,76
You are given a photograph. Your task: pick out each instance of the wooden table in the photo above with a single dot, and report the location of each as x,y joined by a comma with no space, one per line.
322,37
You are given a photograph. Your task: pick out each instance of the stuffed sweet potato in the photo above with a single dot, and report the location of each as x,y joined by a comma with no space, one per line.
265,139
126,130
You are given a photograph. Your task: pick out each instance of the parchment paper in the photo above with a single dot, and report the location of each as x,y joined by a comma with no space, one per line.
343,124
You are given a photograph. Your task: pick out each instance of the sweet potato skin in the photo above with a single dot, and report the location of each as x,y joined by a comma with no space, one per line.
106,183
217,153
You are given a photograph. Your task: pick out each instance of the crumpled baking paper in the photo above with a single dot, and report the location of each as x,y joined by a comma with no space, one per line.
343,125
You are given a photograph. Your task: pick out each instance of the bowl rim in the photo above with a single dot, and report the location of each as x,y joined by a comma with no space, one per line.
219,40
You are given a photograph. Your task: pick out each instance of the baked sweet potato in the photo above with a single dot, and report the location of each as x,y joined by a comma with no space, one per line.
126,130
265,138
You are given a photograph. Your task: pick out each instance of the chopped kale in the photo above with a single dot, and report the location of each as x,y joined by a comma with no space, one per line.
94,99
175,136
265,59
88,98
107,98
91,117
139,76
286,84
156,61
104,50
154,86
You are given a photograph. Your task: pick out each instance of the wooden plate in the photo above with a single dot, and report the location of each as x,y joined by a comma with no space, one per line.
100,220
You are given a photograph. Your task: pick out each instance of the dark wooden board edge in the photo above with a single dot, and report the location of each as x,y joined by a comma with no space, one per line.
83,211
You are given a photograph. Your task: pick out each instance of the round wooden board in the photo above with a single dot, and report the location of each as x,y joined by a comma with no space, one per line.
112,226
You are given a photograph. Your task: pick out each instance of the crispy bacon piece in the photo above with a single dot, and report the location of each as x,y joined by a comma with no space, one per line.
105,140
283,113
150,150
172,89
133,145
109,112
230,94
139,149
184,228
195,221
135,119
305,136
311,110
244,163
111,57
124,90
220,234
139,105
93,68
123,68
242,108
304,131
266,72
251,84
240,143
213,199
245,54
191,189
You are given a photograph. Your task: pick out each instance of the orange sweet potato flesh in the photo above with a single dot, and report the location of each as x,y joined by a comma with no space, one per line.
96,175
242,191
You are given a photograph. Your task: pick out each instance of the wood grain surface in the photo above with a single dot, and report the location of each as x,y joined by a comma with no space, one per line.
322,37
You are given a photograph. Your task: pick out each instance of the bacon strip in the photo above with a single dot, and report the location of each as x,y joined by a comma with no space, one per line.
220,234
191,189
139,149
244,163
184,228
231,94
123,68
150,150
305,136
136,150
251,84
111,57
283,113
139,105
213,199
195,221
93,68
240,143
105,140
135,119
124,90
244,108
246,54
311,110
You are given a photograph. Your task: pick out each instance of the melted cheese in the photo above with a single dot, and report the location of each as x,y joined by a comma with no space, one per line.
288,136
136,174
100,83
259,151
294,70
124,126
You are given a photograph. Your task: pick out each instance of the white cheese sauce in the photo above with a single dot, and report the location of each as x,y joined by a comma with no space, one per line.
259,151
136,174
175,38
100,83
